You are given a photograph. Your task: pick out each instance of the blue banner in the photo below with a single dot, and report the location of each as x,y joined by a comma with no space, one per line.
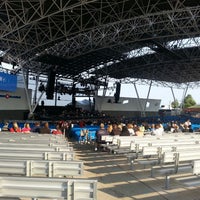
8,82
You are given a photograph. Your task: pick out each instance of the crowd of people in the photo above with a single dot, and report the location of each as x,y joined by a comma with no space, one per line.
175,126
105,128
132,129
38,127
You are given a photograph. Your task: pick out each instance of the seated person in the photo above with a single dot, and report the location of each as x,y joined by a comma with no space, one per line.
15,128
57,130
5,127
130,129
45,129
116,130
186,126
158,131
36,128
99,133
110,128
138,131
26,128
125,131
175,127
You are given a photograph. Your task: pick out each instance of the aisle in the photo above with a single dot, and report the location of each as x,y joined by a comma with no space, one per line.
117,181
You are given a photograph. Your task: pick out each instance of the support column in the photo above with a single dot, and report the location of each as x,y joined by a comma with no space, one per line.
36,89
105,87
184,95
90,103
56,92
26,91
173,97
138,98
145,105
173,94
38,100
74,96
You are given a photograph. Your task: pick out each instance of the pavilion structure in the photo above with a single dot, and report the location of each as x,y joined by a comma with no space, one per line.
90,42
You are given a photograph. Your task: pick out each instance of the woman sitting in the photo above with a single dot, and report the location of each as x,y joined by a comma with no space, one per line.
26,128
15,128
125,131
57,130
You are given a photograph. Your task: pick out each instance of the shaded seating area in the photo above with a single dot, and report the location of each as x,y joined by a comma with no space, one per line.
45,169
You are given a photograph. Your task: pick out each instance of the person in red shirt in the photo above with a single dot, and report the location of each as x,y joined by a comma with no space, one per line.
57,130
15,128
26,128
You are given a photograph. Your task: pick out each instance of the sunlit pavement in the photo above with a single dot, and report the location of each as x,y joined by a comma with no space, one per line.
116,179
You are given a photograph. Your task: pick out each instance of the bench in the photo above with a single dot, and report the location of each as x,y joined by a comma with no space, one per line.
194,180
120,144
139,142
51,188
38,141
5,144
32,138
37,155
41,168
112,145
123,146
177,162
107,140
36,148
155,150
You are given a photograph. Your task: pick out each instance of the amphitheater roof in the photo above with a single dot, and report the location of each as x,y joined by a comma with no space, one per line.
140,39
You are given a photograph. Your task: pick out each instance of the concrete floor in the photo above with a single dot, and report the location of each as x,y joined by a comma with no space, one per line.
116,179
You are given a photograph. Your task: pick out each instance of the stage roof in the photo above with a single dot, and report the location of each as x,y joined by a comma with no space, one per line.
141,39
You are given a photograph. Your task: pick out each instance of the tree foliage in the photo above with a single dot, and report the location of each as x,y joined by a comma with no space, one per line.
189,101
175,104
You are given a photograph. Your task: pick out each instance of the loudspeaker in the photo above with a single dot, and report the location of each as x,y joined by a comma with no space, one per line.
117,92
50,84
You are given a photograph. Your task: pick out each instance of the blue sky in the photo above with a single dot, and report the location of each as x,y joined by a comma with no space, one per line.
163,93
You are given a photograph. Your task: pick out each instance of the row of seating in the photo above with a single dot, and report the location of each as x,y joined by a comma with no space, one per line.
41,168
167,154
46,170
192,180
169,157
127,144
177,162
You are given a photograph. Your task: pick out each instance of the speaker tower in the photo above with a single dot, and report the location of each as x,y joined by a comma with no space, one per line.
50,84
117,92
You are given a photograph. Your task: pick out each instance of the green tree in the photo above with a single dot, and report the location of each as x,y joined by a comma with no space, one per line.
175,104
189,101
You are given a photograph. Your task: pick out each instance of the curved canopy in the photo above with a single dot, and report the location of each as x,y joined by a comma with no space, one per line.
141,39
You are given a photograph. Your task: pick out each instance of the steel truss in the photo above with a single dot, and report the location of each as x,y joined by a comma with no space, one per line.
107,30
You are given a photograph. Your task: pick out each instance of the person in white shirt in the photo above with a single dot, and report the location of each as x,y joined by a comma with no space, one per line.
130,129
187,126
158,131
